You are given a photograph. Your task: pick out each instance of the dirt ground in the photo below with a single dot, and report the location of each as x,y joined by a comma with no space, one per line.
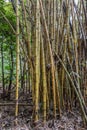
68,120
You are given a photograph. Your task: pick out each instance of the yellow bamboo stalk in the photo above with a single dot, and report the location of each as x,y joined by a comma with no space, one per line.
44,80
57,91
37,59
33,55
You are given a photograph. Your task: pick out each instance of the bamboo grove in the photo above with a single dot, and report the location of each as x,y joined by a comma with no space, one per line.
51,55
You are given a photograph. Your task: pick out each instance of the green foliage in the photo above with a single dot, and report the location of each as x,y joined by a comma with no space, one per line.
7,10
2,5
7,37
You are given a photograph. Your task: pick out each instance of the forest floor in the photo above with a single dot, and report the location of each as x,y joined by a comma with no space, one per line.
70,120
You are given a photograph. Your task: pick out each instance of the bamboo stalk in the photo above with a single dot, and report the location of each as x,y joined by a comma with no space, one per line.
11,104
17,59
37,60
44,81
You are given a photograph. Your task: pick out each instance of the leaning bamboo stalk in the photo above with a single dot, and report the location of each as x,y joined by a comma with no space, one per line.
76,61
13,104
74,87
84,9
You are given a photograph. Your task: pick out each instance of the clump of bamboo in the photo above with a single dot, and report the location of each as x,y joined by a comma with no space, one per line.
54,44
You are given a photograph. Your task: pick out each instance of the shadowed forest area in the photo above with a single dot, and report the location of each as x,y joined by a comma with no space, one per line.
43,64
